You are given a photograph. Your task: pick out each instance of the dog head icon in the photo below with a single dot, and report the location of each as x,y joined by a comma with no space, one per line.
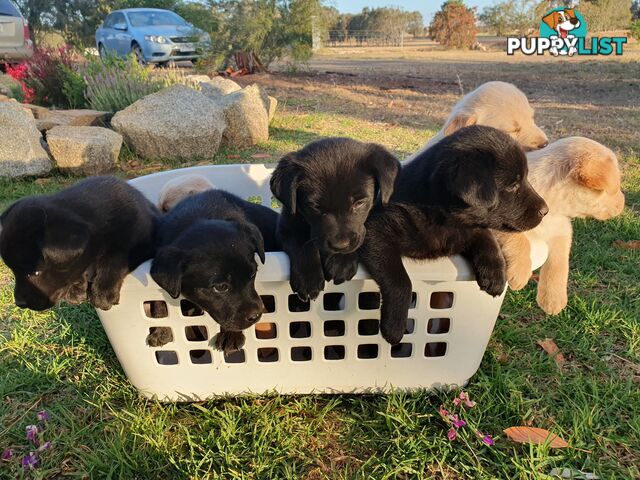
562,21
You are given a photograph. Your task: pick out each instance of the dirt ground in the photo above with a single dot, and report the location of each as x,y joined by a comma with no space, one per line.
597,97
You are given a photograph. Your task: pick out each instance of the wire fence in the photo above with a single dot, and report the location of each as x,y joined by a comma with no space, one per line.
363,38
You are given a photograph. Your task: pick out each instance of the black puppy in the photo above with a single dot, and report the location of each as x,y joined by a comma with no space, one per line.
446,201
206,253
77,244
327,190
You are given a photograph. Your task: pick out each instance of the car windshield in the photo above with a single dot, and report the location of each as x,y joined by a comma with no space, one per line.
151,18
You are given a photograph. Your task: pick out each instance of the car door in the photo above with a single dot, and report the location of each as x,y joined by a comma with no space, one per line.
121,34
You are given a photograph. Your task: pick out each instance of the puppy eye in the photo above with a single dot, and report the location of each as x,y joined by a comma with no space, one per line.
37,273
513,188
359,203
220,287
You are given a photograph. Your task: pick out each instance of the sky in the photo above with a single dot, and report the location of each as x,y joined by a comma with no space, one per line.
426,7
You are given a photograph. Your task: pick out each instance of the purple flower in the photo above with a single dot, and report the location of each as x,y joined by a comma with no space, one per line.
32,434
452,434
7,454
29,461
43,416
44,446
486,439
456,421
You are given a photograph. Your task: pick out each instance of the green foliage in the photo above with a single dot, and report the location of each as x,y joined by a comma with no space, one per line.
603,15
454,26
385,21
16,92
519,16
73,86
635,30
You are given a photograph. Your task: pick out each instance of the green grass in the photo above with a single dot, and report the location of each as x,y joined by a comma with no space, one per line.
62,362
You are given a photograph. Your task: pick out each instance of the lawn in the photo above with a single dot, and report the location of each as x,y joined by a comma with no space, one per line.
60,361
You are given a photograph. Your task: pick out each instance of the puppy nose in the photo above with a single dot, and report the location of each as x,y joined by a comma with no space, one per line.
21,302
543,210
543,144
574,21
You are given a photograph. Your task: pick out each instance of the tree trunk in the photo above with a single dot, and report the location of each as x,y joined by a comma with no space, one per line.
248,61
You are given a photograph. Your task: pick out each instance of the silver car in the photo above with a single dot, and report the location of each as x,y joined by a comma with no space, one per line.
15,41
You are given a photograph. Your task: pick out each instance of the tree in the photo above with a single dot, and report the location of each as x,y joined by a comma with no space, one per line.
508,16
454,25
603,15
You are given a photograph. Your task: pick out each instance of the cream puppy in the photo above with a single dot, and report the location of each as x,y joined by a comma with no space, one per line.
578,178
499,105
180,188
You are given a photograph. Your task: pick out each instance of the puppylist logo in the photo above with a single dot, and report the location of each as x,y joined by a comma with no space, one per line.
563,31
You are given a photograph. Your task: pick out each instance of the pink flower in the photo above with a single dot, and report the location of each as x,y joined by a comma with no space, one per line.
452,434
7,454
444,413
486,439
456,421
463,397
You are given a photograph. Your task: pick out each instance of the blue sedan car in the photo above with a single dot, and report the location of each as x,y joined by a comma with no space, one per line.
152,35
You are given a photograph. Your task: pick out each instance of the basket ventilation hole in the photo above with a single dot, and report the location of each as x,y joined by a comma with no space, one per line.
441,300
196,333
166,357
266,331
334,301
334,352
435,349
300,329
369,301
402,350
414,300
235,357
200,357
255,199
268,355
297,305
189,309
368,351
301,354
334,328
269,302
438,325
156,309
368,327
411,326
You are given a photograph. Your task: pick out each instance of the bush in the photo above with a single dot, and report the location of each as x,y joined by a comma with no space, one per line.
604,15
454,26
635,30
73,87
116,83
43,77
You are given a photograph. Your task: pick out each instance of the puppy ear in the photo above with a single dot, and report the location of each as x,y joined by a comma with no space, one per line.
166,270
62,243
596,173
254,235
385,168
284,181
476,187
551,20
460,120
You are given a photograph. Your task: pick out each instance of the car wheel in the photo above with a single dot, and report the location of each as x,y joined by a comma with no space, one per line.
102,52
137,53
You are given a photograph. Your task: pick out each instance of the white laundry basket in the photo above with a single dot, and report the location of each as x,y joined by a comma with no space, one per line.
332,345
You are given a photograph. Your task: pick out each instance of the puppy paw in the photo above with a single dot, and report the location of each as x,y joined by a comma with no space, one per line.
228,342
519,273
392,330
307,285
159,336
552,301
492,281
104,300
340,268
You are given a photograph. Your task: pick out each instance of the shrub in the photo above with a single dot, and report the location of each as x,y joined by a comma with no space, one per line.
19,74
635,30
43,76
73,87
454,26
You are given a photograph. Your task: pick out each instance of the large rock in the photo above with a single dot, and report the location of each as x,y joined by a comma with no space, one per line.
270,103
219,86
175,123
84,150
246,117
21,153
48,119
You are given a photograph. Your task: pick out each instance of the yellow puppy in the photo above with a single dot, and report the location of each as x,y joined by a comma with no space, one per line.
499,105
578,178
180,188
